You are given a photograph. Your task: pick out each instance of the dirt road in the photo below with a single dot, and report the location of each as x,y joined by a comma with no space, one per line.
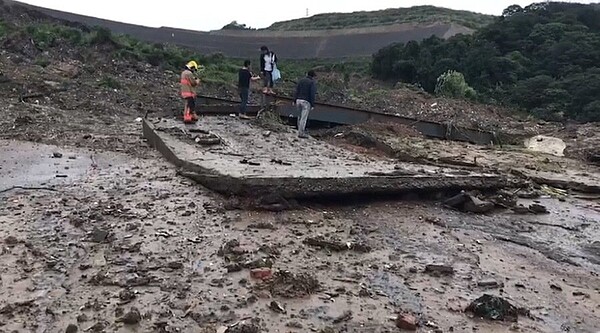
121,235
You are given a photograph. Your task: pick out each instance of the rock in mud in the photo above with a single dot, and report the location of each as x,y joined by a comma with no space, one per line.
273,203
495,308
175,265
521,210
469,203
82,318
261,273
11,240
277,307
126,296
475,205
439,270
251,326
346,316
133,317
57,155
99,236
406,322
97,327
538,209
72,329
490,284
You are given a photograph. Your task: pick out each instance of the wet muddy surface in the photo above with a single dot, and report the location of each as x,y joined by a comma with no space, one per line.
129,246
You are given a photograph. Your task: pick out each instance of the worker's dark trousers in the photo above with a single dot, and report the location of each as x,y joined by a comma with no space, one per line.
244,95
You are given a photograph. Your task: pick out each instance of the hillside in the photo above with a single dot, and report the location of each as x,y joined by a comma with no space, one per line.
361,19
333,44
542,58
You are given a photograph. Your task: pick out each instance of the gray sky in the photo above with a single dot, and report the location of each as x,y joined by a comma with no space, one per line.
212,15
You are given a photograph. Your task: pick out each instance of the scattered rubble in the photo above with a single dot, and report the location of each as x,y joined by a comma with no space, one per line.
336,245
289,285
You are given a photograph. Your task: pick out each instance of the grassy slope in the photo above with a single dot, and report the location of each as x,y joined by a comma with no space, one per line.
419,14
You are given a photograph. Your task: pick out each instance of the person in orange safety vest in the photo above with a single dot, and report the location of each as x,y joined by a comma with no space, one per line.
188,91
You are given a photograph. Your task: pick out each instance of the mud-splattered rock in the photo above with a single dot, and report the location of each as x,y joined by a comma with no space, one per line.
495,308
175,265
439,270
133,317
72,329
276,307
538,209
489,284
261,273
346,316
251,326
126,296
99,236
406,322
294,324
11,240
82,318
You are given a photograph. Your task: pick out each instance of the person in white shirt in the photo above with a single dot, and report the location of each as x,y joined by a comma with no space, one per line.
268,60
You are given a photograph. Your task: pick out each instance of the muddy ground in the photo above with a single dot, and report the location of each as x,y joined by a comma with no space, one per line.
96,235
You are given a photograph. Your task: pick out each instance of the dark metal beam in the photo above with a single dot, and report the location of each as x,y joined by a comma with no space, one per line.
344,115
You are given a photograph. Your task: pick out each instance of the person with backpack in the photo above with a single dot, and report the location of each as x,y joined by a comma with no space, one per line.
268,63
304,99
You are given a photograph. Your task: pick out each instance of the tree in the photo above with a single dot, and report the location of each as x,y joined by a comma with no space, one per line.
544,58
453,84
234,25
512,10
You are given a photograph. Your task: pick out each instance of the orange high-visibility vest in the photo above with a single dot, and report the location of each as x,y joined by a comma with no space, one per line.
187,84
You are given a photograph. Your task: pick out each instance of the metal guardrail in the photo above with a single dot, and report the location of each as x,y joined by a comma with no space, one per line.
339,114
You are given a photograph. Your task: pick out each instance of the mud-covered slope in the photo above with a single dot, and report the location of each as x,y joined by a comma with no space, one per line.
323,44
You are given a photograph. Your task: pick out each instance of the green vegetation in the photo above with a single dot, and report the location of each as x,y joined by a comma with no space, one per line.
217,69
48,35
234,25
452,84
419,14
544,58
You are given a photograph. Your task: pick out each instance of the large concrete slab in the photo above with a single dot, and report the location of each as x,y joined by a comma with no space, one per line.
250,161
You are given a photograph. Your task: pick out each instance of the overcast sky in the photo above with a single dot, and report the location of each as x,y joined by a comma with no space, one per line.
212,15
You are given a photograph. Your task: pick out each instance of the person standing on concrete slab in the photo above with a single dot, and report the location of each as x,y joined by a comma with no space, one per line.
268,61
304,99
188,91
245,76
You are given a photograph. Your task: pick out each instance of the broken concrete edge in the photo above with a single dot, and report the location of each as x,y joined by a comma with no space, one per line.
568,185
294,187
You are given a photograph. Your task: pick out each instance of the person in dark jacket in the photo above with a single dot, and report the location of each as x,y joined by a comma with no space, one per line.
304,99
245,76
268,60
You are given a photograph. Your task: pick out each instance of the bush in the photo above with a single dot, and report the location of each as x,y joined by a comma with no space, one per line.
102,36
453,84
